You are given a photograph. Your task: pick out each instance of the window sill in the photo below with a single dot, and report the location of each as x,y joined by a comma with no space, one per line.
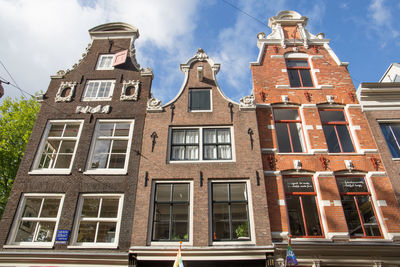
232,243
294,153
319,87
94,246
200,161
370,239
38,246
96,99
106,172
396,159
112,68
197,111
345,154
170,243
51,172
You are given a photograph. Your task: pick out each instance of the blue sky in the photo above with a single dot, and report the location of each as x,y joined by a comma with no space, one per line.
43,36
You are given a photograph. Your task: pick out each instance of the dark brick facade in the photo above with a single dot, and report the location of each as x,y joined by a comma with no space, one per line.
76,183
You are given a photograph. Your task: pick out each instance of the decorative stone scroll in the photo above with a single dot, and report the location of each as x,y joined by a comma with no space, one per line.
92,110
154,105
247,102
130,90
65,92
201,55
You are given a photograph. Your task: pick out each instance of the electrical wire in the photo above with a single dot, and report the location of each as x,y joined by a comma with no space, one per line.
9,74
244,12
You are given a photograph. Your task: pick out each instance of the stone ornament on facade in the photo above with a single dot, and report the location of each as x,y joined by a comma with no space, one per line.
93,110
247,102
130,90
154,105
65,92
201,55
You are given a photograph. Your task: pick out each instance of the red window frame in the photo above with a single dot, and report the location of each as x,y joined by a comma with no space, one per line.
298,68
287,122
302,207
334,123
354,194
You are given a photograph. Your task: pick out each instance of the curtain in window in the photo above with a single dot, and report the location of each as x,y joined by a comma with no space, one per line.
178,152
224,152
192,152
224,136
192,137
210,136
178,137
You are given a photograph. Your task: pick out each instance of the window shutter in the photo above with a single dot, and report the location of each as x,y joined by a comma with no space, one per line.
120,58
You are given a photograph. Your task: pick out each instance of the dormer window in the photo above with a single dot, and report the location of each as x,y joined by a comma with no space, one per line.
299,73
105,62
199,100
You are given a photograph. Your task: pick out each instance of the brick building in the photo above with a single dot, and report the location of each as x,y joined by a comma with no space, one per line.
326,188
201,178
380,102
73,198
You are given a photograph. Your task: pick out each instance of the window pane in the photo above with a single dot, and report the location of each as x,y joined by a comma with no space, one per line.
71,130
50,208
90,207
301,184
331,115
221,221
161,230
117,162
180,230
86,232
45,232
192,152
238,192
67,147
331,139
163,192
351,184
32,207
286,114
368,216
180,212
391,132
224,136
294,78
109,208
178,153
119,146
311,215
352,216
224,152
240,230
210,136
210,152
295,216
106,129
199,99
220,192
102,146
56,130
345,139
122,129
296,135
306,78
106,232
99,161
178,136
192,136
63,162
239,211
25,231
181,192
283,137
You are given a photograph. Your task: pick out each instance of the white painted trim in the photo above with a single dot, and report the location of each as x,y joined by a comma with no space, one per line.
107,67
108,98
252,229
338,236
110,171
264,105
191,204
307,138
308,106
319,150
78,219
201,160
268,150
17,219
278,235
55,171
260,55
277,56
324,174
320,204
281,202
272,173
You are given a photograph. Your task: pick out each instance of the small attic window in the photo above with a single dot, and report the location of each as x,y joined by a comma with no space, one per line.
105,62
199,100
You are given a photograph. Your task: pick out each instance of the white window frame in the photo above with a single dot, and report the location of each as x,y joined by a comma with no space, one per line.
128,149
108,98
100,58
78,219
35,169
251,214
390,122
191,193
201,160
200,110
12,244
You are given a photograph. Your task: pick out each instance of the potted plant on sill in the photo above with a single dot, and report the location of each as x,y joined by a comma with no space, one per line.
242,231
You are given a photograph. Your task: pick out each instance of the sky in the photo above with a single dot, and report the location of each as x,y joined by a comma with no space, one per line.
40,37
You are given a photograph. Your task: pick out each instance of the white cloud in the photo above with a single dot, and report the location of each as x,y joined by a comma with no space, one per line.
43,36
382,20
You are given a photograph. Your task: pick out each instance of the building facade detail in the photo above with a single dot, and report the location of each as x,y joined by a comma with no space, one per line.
65,92
130,90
